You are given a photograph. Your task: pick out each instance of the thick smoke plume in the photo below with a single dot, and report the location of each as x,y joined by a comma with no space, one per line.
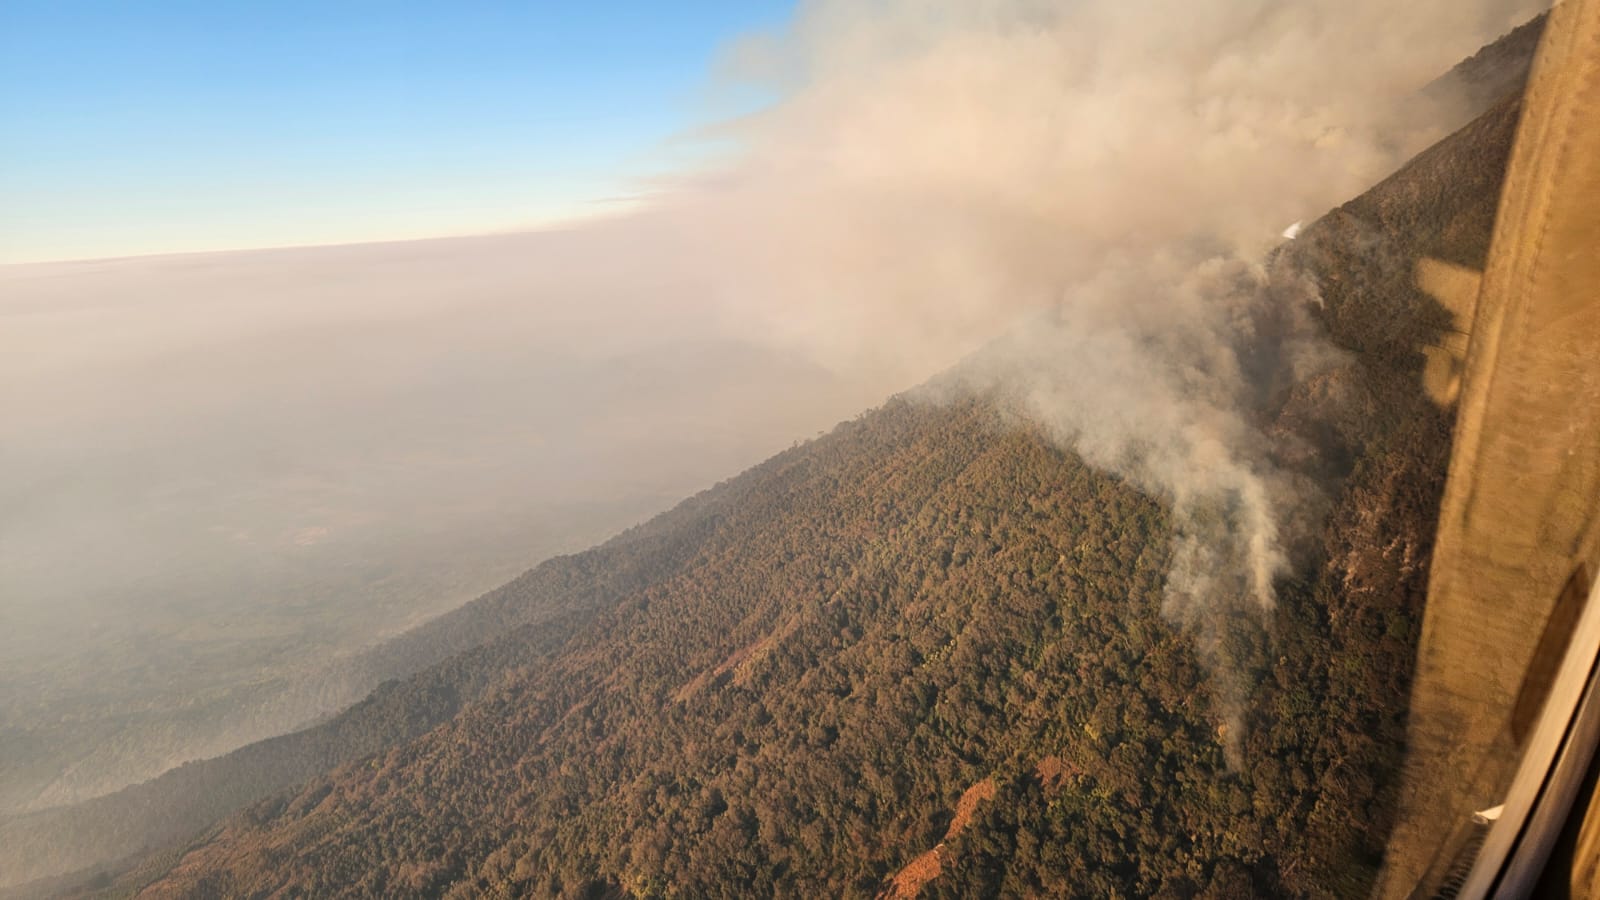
1089,190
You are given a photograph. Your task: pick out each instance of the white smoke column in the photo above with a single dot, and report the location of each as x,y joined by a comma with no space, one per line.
1175,403
1101,180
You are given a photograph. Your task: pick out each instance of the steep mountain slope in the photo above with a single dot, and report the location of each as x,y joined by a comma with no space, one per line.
788,682
930,599
830,666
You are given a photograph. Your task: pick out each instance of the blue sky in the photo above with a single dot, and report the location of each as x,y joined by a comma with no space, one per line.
149,127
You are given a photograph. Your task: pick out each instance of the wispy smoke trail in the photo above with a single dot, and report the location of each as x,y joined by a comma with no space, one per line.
1179,403
1099,181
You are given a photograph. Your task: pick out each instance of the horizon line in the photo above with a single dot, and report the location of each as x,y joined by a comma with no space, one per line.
600,210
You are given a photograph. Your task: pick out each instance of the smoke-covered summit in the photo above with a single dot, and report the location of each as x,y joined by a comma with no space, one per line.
1095,187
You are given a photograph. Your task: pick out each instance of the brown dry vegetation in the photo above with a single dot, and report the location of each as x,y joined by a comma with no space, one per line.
917,874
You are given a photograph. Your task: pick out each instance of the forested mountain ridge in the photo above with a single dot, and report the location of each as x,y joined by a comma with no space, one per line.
786,685
929,598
